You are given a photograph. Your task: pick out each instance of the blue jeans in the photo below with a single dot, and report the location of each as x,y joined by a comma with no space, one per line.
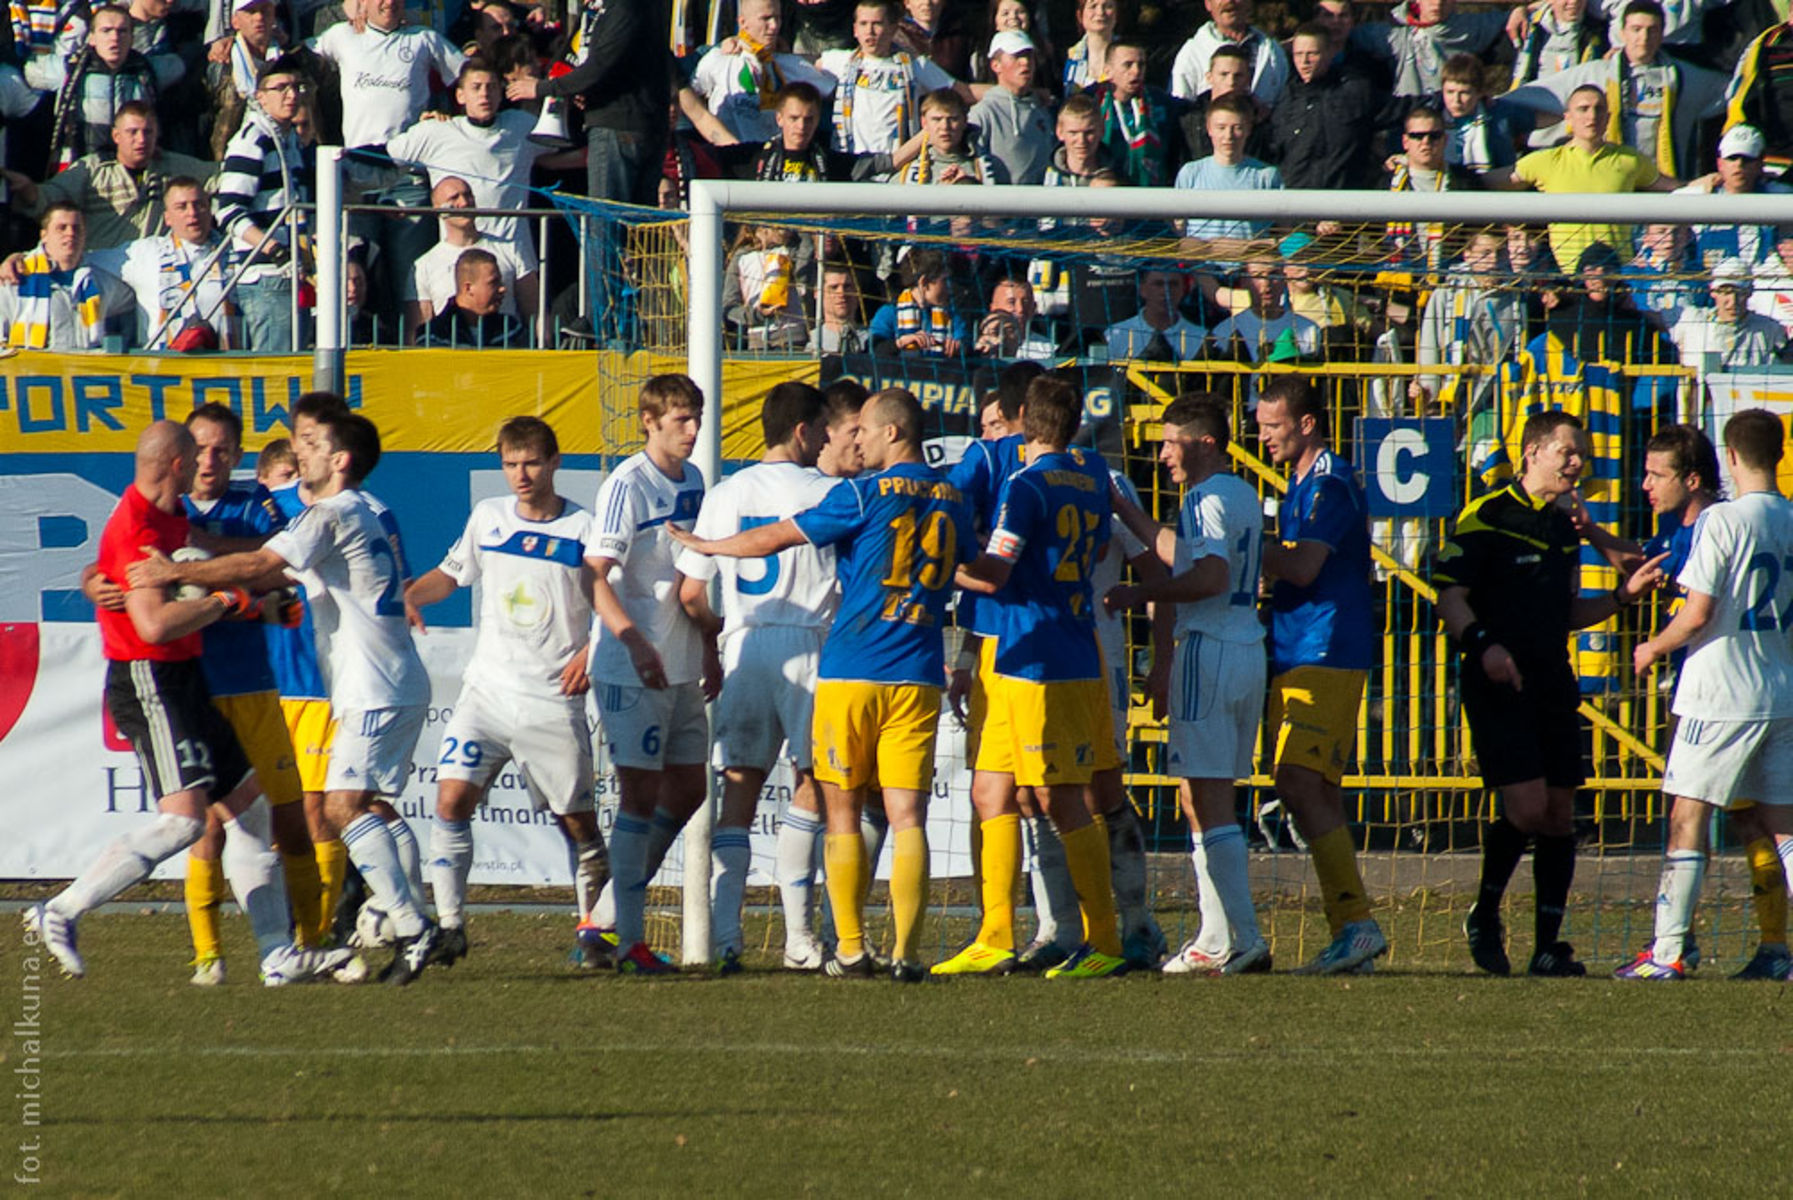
623,168
266,306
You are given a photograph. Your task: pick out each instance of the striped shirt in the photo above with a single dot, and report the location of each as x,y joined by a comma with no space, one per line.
263,166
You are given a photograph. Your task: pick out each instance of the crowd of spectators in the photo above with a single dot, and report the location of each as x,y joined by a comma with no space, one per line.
159,156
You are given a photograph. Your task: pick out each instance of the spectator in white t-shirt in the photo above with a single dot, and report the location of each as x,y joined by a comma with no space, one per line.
878,89
741,79
1159,332
1728,336
432,283
488,146
385,69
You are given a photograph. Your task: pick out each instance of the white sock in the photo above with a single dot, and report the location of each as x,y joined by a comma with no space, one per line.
255,875
410,857
1215,937
1127,854
628,879
1682,872
368,840
874,826
1055,898
798,836
662,833
127,860
1224,849
451,859
603,913
731,854
591,871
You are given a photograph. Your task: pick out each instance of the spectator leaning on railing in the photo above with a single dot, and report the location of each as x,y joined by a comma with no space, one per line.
120,192
264,172
475,319
179,276
432,285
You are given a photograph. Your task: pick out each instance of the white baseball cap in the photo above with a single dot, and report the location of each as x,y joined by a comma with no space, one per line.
1742,141
1734,272
1011,41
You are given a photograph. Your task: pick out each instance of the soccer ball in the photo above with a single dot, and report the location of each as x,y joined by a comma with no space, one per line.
188,591
373,929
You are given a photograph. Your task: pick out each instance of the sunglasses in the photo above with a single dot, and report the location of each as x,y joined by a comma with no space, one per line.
1426,135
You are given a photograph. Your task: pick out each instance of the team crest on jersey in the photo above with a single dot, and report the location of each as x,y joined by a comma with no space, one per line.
530,542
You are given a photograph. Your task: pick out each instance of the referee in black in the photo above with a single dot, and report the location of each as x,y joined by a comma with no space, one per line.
1509,583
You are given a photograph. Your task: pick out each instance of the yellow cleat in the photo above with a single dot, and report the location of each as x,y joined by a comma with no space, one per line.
977,959
1088,963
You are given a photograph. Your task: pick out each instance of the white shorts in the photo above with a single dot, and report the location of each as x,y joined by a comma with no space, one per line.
652,728
768,695
1216,703
548,737
1719,762
1120,705
372,749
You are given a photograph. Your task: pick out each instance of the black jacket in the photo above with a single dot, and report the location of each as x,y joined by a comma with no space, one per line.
1321,132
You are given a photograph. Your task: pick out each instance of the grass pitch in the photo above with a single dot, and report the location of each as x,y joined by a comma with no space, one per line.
512,1074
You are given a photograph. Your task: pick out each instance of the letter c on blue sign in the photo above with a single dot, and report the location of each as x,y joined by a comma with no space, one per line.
1399,487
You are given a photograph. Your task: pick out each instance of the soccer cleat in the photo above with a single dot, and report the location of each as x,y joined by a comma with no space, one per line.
57,933
1144,948
411,956
208,972
292,964
1556,961
977,959
1487,943
352,972
857,968
803,955
594,949
1357,943
907,972
1088,963
451,946
1255,960
1041,956
729,963
1770,962
640,959
1644,966
1191,960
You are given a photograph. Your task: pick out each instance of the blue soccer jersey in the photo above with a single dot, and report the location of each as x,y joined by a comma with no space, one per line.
1052,522
293,652
235,660
899,536
980,476
1331,622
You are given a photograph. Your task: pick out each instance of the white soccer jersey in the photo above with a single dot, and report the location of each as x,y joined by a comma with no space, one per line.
385,77
494,160
354,578
738,89
877,98
1111,630
1740,668
534,610
634,506
1222,518
794,586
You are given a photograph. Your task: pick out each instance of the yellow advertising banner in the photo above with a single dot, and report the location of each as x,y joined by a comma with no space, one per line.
422,400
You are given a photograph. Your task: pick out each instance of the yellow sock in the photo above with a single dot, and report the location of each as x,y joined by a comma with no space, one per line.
305,893
1001,859
844,856
908,890
333,862
1341,885
1086,854
1768,888
205,889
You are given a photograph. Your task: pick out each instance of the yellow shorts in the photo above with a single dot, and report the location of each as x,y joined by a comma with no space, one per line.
312,729
1314,712
257,721
977,705
1047,733
876,734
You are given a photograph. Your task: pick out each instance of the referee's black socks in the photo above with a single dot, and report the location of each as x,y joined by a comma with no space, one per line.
1553,870
1503,844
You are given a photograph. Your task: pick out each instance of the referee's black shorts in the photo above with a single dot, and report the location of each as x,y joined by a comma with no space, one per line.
1530,734
182,740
